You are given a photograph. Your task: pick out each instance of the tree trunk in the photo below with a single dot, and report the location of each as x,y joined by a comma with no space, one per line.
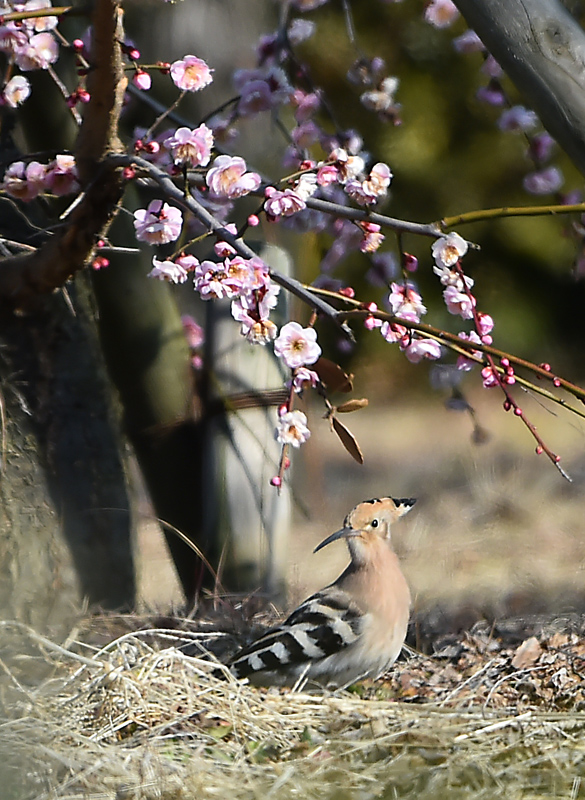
64,513
542,49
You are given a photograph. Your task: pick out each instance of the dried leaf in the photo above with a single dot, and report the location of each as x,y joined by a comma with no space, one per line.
332,376
348,440
352,405
527,654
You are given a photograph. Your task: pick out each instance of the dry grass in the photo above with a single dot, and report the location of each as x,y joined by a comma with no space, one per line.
138,719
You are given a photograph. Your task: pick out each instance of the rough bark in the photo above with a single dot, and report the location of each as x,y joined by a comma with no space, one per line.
64,514
542,49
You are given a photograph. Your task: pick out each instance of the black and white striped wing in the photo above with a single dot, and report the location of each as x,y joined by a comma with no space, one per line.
324,625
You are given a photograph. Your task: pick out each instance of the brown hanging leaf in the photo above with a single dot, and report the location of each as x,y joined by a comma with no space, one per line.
332,376
352,405
348,440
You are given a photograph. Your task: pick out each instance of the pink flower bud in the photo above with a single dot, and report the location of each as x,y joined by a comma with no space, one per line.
556,382
253,221
410,262
518,411
276,481
142,80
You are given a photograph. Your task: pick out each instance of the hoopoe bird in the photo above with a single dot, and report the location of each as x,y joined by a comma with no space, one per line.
352,629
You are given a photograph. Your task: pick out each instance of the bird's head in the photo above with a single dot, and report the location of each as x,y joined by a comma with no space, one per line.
369,521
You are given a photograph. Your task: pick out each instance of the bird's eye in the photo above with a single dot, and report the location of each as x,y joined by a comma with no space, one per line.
374,523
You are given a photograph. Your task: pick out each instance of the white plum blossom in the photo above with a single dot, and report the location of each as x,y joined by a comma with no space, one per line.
447,250
297,346
292,428
168,271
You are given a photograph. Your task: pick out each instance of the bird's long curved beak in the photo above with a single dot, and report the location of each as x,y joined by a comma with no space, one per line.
343,533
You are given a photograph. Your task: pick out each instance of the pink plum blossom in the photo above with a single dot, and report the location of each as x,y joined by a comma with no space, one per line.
191,147
261,89
300,30
348,167
447,250
466,364
491,68
40,51
24,181
304,378
13,39
210,280
61,176
305,103
459,302
16,91
194,333
545,181
283,204
252,315
485,323
468,42
327,174
167,271
393,333
373,188
372,237
292,428
297,346
405,302
160,223
422,348
541,146
39,23
228,177
517,119
142,80
190,74
490,377
441,13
